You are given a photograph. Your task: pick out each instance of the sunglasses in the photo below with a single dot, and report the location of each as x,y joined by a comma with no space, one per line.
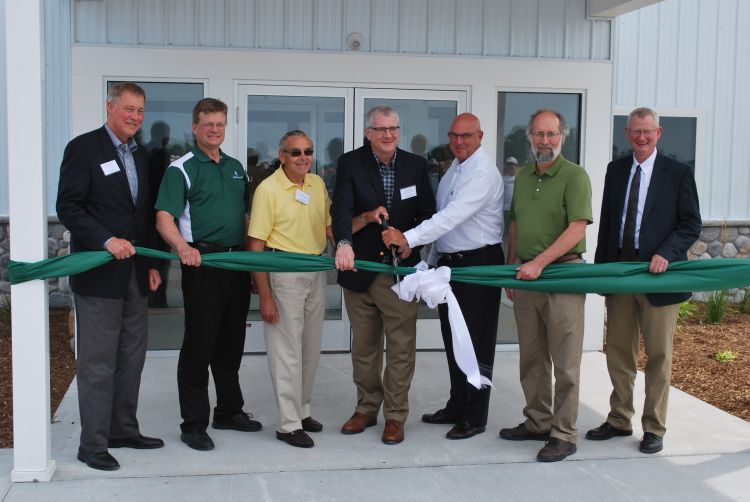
296,152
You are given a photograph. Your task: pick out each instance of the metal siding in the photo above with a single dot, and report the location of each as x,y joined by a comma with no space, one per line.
666,56
152,22
578,31
212,23
497,28
3,118
705,92
469,16
241,20
181,23
357,20
269,24
122,20
385,25
687,54
523,14
441,27
90,22
300,21
601,39
56,93
740,146
550,32
413,27
329,20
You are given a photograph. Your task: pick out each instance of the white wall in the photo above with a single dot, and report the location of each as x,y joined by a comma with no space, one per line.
691,54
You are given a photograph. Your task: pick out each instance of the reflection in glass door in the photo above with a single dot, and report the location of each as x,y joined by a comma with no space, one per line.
270,112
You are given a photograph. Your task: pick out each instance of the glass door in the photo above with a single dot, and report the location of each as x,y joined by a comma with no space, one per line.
325,114
425,119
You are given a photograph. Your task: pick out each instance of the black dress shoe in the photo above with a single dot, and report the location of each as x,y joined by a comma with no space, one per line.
298,438
607,431
197,440
651,443
464,430
555,450
439,417
521,433
240,422
309,424
101,460
139,442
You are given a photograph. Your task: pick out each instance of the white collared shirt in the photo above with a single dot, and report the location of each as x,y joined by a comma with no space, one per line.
647,168
470,209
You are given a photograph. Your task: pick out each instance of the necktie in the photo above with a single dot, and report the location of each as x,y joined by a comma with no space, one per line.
127,159
628,233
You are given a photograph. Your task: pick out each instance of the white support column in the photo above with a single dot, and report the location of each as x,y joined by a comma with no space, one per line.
28,237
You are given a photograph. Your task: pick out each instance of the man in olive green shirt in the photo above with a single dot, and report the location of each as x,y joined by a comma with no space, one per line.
550,210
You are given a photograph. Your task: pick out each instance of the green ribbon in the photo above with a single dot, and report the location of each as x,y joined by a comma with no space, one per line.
695,275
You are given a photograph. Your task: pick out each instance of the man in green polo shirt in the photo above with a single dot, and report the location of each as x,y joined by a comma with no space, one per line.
202,208
550,210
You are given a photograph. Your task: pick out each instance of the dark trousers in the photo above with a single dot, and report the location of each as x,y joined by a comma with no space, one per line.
480,306
216,304
112,339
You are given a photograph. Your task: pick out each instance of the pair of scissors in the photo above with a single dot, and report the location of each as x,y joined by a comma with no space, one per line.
394,255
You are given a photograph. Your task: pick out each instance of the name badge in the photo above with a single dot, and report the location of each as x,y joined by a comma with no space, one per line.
408,192
302,197
110,167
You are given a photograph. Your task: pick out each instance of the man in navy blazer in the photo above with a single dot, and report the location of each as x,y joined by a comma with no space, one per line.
374,183
103,200
649,213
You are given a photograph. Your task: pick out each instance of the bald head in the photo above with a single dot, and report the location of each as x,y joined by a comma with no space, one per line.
465,136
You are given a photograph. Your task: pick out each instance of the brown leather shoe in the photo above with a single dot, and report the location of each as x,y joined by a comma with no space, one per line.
358,423
393,432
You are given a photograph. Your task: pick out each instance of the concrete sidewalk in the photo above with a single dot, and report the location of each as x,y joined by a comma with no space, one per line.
706,454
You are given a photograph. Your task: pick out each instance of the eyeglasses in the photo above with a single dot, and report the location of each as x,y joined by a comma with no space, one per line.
380,131
296,152
541,135
211,125
453,136
646,132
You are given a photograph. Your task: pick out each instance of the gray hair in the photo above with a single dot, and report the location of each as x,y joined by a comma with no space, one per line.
114,92
563,123
642,113
295,132
384,110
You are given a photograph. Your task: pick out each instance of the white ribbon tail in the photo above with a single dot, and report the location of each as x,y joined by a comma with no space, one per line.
433,287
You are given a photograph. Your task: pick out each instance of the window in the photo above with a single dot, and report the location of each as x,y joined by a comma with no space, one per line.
677,141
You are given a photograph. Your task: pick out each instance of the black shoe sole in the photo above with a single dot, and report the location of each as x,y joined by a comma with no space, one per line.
195,446
98,467
233,428
474,432
117,444
280,437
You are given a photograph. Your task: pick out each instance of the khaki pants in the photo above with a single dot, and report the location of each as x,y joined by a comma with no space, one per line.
371,313
293,344
550,335
627,316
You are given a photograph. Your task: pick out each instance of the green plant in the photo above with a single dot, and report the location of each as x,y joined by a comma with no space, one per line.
687,309
716,306
725,356
744,304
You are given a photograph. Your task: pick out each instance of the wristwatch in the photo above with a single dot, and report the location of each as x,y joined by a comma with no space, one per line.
342,243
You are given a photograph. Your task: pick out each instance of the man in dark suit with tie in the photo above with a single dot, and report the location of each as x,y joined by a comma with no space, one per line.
649,213
103,200
379,182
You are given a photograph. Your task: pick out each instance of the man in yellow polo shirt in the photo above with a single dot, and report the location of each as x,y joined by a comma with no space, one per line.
291,214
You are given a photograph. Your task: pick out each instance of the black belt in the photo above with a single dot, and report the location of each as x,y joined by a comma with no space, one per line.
274,250
209,247
459,255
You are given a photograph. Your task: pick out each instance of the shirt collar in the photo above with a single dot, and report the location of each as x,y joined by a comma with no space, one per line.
285,182
390,165
201,155
551,170
132,145
647,165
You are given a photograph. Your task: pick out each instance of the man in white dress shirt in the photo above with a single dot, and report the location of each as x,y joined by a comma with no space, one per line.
467,230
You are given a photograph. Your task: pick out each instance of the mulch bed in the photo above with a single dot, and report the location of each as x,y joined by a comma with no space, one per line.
62,369
695,369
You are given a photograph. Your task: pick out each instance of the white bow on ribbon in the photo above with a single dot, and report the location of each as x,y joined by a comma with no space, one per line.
433,287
